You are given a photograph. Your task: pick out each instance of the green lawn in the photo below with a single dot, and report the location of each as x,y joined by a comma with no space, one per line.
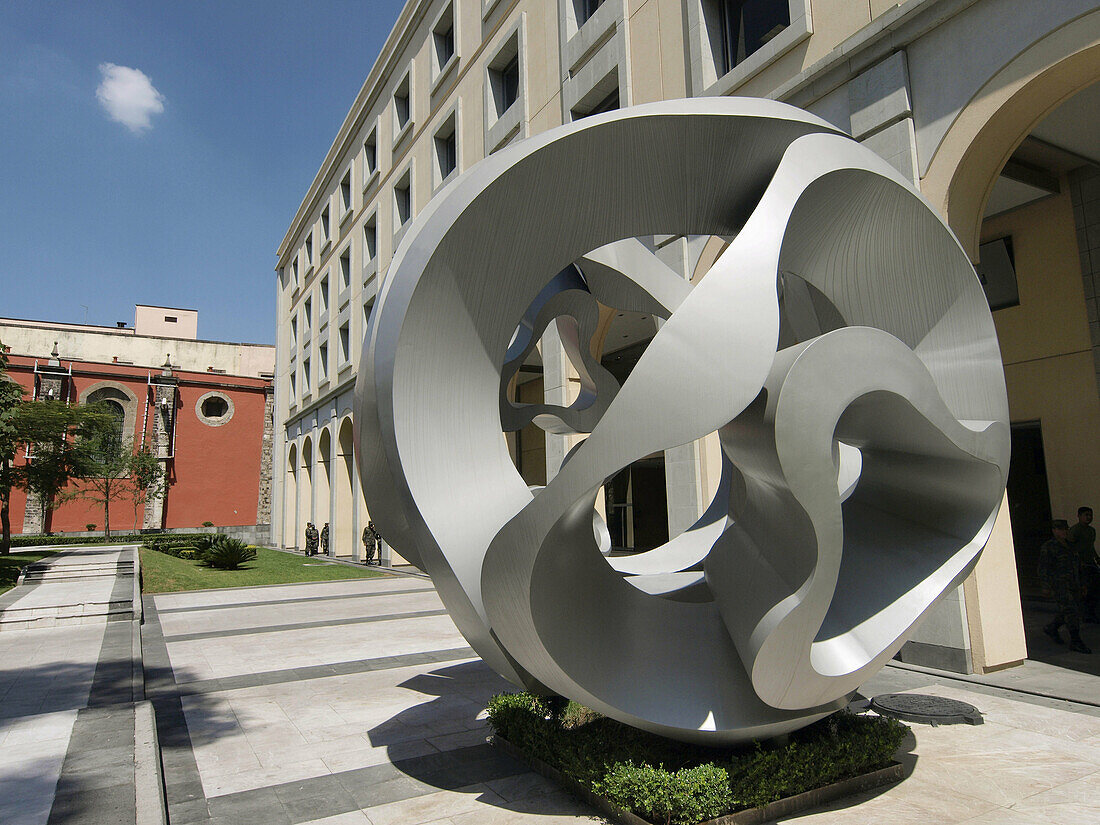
162,573
10,565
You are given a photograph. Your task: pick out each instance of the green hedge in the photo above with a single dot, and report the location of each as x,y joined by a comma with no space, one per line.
674,782
181,545
53,541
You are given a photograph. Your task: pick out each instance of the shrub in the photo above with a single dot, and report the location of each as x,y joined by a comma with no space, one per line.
227,553
208,524
52,541
676,782
681,797
189,555
89,527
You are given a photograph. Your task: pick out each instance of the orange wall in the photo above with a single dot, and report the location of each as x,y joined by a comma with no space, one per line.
215,474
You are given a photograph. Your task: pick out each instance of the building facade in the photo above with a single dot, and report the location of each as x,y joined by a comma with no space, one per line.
204,408
988,106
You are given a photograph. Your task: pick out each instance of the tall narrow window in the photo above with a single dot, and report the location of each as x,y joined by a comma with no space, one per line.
402,108
324,226
305,375
294,265
293,332
446,150
345,270
308,313
585,9
443,41
345,343
370,156
345,192
746,25
505,84
370,238
402,199
322,367
309,248
323,308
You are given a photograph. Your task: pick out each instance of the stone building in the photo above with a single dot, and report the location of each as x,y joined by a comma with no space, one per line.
205,408
989,106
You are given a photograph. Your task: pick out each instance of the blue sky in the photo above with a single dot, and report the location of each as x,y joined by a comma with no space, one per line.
155,152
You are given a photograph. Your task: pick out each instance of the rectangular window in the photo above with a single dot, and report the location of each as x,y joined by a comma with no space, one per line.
345,192
345,343
324,225
308,309
606,104
443,39
747,25
305,375
997,273
585,9
370,238
402,200
170,319
446,150
293,388
402,109
323,308
322,356
370,156
505,85
345,270
309,248
368,308
293,332
294,269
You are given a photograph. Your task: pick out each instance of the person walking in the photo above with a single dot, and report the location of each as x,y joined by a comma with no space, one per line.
324,539
1061,575
1082,536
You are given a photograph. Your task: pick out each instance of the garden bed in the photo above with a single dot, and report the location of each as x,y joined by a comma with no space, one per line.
635,777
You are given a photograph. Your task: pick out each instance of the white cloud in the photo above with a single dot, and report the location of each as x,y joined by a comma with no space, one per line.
129,97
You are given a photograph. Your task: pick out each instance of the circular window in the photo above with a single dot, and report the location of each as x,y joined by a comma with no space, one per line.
214,409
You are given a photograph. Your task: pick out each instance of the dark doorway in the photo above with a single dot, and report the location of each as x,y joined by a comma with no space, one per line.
1028,503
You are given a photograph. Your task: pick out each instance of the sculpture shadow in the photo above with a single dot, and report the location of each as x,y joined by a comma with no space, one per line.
453,722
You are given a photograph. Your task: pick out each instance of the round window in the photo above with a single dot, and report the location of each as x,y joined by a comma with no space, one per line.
214,409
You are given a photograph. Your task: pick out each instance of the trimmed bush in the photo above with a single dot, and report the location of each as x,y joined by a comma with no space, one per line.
189,555
227,553
89,527
683,797
667,781
53,541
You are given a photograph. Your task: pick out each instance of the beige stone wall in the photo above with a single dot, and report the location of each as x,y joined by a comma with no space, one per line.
1047,348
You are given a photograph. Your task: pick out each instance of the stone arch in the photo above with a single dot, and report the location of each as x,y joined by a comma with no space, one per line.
118,397
305,488
344,540
290,499
322,479
1000,115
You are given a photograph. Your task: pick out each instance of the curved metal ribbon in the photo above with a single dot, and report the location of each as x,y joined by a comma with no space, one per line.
841,346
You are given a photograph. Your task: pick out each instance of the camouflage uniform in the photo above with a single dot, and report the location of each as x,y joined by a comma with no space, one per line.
324,539
1062,575
1083,538
370,544
311,540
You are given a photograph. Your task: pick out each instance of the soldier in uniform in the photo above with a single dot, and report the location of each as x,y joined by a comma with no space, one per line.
324,539
1082,536
370,542
311,539
1061,574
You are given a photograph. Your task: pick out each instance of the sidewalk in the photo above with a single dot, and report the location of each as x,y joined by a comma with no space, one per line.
73,734
358,701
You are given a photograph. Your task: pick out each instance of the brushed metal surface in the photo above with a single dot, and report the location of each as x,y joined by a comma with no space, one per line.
841,347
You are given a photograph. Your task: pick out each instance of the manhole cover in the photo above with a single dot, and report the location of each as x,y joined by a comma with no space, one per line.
930,710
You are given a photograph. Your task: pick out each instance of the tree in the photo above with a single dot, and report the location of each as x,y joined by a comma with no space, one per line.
147,479
11,398
109,468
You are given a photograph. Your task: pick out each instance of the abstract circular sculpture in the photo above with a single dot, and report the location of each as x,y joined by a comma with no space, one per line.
841,347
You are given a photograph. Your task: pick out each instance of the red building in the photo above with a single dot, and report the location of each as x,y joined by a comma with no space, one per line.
211,431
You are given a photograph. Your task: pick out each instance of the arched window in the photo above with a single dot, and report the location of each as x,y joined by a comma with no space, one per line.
112,402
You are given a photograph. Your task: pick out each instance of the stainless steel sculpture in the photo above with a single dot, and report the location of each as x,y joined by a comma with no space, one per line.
841,346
